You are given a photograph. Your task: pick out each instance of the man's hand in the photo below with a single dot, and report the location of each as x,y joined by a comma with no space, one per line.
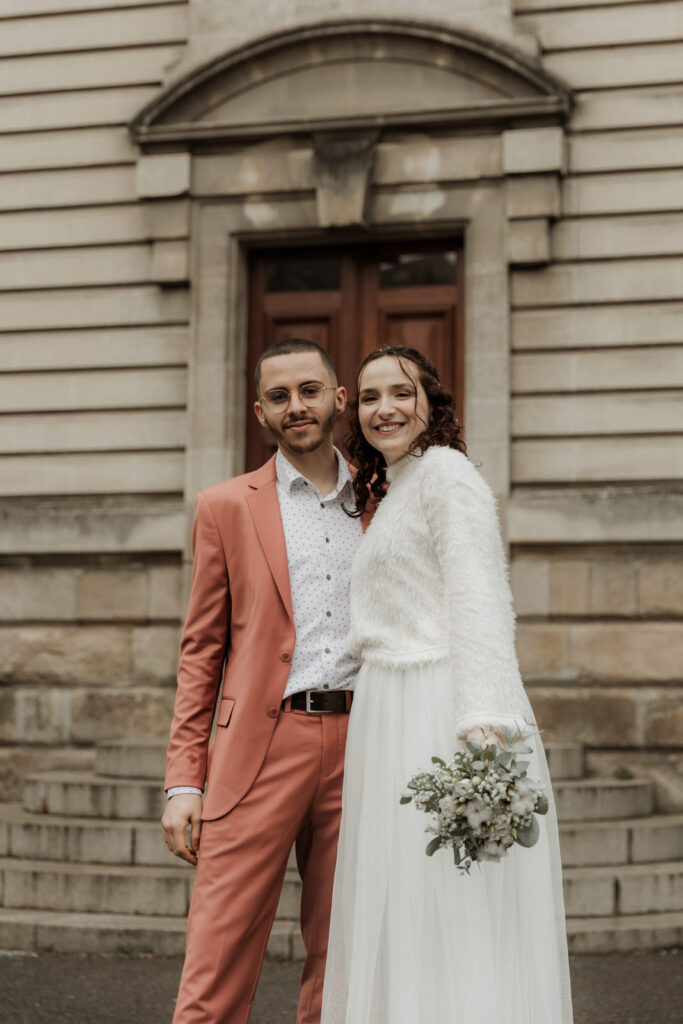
183,811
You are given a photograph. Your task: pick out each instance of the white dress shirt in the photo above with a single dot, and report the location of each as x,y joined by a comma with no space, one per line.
321,540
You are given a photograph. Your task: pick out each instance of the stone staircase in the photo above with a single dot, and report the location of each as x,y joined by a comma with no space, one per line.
83,867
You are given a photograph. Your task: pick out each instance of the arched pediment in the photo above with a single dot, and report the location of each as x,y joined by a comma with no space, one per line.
350,75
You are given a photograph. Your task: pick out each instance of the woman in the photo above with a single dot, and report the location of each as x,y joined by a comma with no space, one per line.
412,941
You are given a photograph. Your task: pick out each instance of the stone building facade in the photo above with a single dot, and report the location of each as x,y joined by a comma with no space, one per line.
162,162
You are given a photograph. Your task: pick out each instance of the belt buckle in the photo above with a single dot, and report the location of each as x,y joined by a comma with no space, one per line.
313,711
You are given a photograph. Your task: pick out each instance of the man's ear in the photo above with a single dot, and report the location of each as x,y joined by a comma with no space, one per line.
259,414
341,399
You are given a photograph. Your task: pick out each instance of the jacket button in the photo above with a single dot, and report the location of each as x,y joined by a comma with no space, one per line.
285,656
273,713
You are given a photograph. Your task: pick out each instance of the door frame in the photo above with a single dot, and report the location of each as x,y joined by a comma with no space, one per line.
224,231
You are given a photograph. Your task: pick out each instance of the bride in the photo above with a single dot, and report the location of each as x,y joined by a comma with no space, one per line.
412,941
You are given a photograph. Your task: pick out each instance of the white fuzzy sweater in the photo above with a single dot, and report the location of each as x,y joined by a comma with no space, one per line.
429,584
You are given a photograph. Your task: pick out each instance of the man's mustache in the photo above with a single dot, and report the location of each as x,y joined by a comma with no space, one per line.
299,419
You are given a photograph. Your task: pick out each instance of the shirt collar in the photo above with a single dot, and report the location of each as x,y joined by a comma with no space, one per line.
287,474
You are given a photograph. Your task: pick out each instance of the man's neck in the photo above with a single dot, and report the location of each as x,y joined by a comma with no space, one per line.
319,467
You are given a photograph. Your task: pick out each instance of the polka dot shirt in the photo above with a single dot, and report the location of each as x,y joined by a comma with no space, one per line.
321,542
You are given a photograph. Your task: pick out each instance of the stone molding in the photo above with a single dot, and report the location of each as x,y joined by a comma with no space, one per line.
168,119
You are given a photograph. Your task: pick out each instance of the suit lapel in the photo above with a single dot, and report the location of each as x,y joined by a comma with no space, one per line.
265,512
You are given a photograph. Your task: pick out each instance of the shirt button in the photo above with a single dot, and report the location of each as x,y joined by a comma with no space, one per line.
327,540
328,614
328,651
322,504
326,686
328,576
285,656
273,713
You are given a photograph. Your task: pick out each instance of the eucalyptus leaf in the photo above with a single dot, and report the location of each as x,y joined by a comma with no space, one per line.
541,805
432,846
406,799
520,748
474,748
528,836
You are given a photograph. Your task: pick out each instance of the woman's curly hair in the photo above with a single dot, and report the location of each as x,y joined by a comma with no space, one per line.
442,429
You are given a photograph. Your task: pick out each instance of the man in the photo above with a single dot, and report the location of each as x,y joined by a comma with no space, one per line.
269,601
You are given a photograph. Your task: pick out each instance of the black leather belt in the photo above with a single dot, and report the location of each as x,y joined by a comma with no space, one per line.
319,702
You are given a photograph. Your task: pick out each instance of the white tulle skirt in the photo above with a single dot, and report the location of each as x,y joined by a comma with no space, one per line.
412,940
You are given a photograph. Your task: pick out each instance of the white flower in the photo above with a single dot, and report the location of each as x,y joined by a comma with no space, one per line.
523,802
477,813
448,806
492,851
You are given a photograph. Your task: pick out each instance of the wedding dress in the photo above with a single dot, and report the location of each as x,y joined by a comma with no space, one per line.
412,940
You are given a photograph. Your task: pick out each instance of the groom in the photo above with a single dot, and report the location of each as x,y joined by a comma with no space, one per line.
268,614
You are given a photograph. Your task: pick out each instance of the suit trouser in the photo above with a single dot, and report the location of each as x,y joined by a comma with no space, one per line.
296,798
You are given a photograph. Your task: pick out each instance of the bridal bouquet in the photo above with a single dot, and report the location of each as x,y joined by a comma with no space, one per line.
482,801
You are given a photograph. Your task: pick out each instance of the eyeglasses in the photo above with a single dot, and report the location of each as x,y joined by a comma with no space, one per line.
310,394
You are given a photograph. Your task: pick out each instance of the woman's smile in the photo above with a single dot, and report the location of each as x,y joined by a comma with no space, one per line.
388,428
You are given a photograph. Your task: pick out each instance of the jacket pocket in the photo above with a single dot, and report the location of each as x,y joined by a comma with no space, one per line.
225,710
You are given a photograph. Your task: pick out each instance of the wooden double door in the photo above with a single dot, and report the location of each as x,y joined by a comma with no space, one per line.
350,301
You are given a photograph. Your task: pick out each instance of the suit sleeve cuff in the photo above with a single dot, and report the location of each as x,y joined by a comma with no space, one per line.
175,790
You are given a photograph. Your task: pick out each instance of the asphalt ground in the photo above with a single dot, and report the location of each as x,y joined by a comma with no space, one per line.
54,988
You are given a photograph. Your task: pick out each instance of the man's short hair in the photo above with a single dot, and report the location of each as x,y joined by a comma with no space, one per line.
290,346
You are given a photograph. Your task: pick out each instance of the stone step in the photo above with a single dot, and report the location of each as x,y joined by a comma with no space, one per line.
565,760
81,840
635,932
127,759
94,888
113,888
84,794
617,889
132,759
623,889
601,799
622,840
41,930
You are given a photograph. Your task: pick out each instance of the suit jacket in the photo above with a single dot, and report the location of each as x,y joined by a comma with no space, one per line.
239,618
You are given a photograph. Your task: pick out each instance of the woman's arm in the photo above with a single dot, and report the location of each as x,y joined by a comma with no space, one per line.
461,512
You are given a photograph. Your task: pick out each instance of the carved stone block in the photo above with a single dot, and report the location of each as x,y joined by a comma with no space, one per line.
342,168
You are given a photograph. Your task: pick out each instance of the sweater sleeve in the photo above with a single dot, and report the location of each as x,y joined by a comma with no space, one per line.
461,513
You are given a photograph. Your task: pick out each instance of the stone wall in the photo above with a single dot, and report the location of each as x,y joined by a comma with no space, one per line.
93,387
99,460
597,373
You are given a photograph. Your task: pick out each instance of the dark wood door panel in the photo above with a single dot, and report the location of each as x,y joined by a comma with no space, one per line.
324,332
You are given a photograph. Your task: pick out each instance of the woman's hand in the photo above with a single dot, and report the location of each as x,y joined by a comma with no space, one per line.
478,735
